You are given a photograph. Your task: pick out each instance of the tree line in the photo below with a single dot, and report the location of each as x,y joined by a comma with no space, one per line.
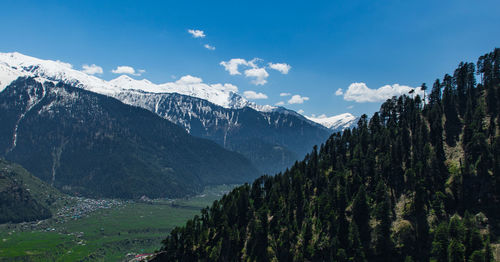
418,181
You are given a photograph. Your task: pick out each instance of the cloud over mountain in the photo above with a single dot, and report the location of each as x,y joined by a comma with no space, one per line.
92,69
254,95
359,92
254,70
128,70
297,99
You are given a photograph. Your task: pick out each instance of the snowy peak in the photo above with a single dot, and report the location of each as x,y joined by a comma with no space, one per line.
219,94
13,65
338,122
22,65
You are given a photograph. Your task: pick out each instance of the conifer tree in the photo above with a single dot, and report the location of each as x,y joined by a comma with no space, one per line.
356,252
440,243
456,251
383,243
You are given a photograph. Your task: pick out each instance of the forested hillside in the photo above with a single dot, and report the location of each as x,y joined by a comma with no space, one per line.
24,197
418,181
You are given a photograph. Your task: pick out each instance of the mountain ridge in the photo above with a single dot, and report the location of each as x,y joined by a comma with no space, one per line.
335,123
265,135
95,145
14,65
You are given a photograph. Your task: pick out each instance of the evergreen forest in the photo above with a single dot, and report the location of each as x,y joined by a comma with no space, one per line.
417,181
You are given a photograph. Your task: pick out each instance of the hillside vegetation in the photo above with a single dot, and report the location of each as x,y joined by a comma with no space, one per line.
418,181
24,197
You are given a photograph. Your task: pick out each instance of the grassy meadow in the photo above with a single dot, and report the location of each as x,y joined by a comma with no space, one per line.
107,234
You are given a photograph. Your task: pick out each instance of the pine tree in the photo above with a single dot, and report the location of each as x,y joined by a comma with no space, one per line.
452,124
488,253
456,251
440,243
477,256
421,225
383,242
356,251
361,216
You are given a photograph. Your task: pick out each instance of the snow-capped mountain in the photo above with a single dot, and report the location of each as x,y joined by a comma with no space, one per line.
336,123
268,139
266,135
87,143
13,65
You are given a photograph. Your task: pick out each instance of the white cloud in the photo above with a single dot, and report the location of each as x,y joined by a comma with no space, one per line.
254,95
193,82
360,93
281,67
226,87
280,103
285,94
350,107
253,63
297,99
232,65
67,65
127,70
209,47
92,69
197,33
260,75
322,116
300,111
189,80
339,92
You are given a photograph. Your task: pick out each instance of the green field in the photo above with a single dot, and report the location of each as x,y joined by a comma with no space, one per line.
105,234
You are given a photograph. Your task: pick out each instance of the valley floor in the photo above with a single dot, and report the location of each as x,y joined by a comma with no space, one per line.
102,230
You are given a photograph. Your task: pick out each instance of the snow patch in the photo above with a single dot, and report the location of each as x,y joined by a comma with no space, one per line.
341,121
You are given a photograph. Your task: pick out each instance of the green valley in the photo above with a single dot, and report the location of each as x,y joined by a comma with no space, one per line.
111,231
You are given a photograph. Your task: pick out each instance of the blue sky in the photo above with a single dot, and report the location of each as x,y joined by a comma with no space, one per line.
328,44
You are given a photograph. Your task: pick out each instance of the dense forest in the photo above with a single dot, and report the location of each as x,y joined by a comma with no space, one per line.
418,181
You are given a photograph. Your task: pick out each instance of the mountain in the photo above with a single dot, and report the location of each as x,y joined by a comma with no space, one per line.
13,65
335,123
86,143
268,139
266,135
415,182
24,197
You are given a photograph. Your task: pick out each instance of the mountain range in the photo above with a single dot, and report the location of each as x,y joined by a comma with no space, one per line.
94,145
264,134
